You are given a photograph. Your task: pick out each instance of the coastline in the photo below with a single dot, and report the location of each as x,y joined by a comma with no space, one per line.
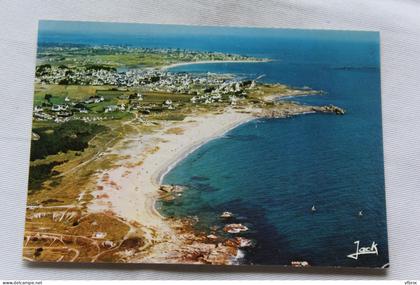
131,190
166,67
158,178
137,157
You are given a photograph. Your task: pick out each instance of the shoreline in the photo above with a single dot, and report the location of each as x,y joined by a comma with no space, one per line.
131,188
132,192
182,152
161,174
166,67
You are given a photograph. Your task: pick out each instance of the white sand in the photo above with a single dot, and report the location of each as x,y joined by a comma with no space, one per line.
132,191
211,61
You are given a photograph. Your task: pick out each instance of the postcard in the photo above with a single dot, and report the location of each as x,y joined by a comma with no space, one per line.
206,145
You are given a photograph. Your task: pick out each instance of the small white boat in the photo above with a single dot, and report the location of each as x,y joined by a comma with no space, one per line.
313,209
360,213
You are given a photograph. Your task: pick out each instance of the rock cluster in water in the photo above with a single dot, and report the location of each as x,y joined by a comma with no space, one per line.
226,215
299,264
293,110
170,192
212,247
235,228
329,109
171,188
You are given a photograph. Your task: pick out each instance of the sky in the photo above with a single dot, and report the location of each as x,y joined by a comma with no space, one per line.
110,28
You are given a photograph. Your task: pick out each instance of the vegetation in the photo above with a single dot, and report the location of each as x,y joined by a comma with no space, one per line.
100,67
170,117
71,135
39,174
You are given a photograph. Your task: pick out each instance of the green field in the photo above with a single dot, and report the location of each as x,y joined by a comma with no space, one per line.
110,94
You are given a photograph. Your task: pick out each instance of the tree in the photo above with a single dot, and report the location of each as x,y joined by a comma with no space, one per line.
47,97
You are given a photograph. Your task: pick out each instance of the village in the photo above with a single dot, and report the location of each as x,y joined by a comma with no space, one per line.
126,86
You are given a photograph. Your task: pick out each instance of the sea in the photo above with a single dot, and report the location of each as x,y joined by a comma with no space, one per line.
272,173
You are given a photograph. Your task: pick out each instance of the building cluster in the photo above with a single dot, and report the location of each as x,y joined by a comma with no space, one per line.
231,89
203,88
76,109
150,79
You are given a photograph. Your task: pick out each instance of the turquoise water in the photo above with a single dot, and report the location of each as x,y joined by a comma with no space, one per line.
269,173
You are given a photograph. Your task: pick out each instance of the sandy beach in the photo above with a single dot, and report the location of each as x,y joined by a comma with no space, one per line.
132,189
211,62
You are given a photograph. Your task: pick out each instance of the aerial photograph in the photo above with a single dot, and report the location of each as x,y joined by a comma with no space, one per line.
176,144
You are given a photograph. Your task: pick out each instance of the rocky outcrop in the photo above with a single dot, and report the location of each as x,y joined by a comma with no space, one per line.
299,264
226,215
329,109
241,242
170,192
235,228
195,247
293,109
171,188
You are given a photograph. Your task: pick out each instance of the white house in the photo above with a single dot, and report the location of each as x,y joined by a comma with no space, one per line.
38,109
233,99
111,108
237,87
58,108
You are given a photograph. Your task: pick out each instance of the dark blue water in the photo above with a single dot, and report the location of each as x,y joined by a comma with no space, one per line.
277,169
269,173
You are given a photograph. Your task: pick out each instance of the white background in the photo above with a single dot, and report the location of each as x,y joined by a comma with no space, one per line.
399,24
